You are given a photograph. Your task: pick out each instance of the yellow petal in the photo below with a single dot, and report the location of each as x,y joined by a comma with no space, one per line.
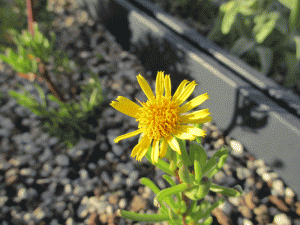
198,121
173,144
155,151
179,90
126,106
167,86
193,103
128,135
187,92
145,87
160,84
140,145
184,134
200,114
163,149
143,150
194,131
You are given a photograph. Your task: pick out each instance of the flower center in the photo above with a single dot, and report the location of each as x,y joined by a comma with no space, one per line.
159,118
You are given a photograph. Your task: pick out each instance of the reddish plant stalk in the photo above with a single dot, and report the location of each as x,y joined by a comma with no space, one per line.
29,17
30,20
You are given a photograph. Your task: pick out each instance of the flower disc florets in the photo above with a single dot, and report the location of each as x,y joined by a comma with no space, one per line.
159,118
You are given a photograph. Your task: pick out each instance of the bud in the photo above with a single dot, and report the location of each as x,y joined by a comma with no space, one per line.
184,174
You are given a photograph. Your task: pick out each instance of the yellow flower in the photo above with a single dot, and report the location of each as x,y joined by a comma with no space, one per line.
161,117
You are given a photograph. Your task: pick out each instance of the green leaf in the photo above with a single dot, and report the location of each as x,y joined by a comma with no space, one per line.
184,155
170,191
262,32
147,182
229,17
265,57
292,67
93,98
241,46
198,153
297,40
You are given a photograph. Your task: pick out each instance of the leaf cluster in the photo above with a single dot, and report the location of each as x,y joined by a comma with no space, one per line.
263,33
70,120
185,201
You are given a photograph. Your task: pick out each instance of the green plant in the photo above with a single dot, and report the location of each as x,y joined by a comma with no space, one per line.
163,133
69,121
261,34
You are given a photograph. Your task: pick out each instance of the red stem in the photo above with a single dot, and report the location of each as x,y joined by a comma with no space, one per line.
29,17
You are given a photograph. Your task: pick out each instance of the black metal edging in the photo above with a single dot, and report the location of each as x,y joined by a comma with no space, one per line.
237,107
284,97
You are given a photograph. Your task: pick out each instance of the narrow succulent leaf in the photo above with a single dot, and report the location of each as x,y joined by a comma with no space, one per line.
147,182
229,18
226,191
208,221
172,183
184,155
198,153
42,95
203,188
217,168
198,172
142,217
172,215
192,207
205,214
210,164
170,191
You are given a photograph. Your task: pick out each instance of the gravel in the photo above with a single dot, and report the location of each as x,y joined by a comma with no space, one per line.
41,182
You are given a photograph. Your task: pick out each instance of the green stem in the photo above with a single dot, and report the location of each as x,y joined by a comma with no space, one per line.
199,139
142,217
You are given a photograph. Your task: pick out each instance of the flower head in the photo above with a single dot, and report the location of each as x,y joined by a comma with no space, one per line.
161,118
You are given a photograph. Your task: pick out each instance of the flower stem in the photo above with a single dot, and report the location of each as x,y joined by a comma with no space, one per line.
29,17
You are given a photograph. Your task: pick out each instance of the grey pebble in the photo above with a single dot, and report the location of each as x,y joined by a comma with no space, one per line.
62,160
243,173
125,168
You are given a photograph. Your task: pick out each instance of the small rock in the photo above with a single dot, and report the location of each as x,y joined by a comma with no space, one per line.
243,173
27,172
236,201
47,155
262,209
289,193
62,160
137,203
246,212
82,211
19,160
282,219
247,222
237,148
226,208
122,203
95,203
11,176
84,175
277,188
